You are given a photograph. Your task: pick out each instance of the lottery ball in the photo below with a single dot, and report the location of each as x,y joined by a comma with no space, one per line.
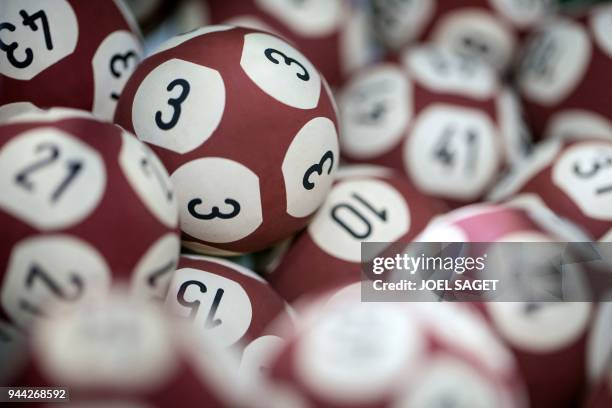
332,34
441,119
571,178
486,29
82,202
246,127
67,53
228,303
564,76
352,354
545,336
116,351
375,205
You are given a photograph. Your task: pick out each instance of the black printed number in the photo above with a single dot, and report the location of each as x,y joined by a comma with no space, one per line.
194,305
215,212
119,65
270,55
342,212
445,67
175,103
593,169
447,156
38,274
318,169
156,274
51,154
31,22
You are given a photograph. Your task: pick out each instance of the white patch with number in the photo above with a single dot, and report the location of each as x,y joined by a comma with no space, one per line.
476,33
219,199
309,18
149,179
576,123
50,179
584,173
114,61
555,61
115,343
51,268
280,71
401,22
441,70
540,327
218,307
375,110
182,38
523,13
151,276
178,105
34,35
452,152
358,352
601,24
309,166
449,382
358,210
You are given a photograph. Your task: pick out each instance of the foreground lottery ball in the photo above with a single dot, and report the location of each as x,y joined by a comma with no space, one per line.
333,34
228,303
487,29
117,351
352,354
544,336
67,53
246,127
564,77
571,178
376,205
82,202
440,118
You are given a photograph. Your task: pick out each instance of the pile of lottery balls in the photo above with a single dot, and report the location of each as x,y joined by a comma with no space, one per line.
185,187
